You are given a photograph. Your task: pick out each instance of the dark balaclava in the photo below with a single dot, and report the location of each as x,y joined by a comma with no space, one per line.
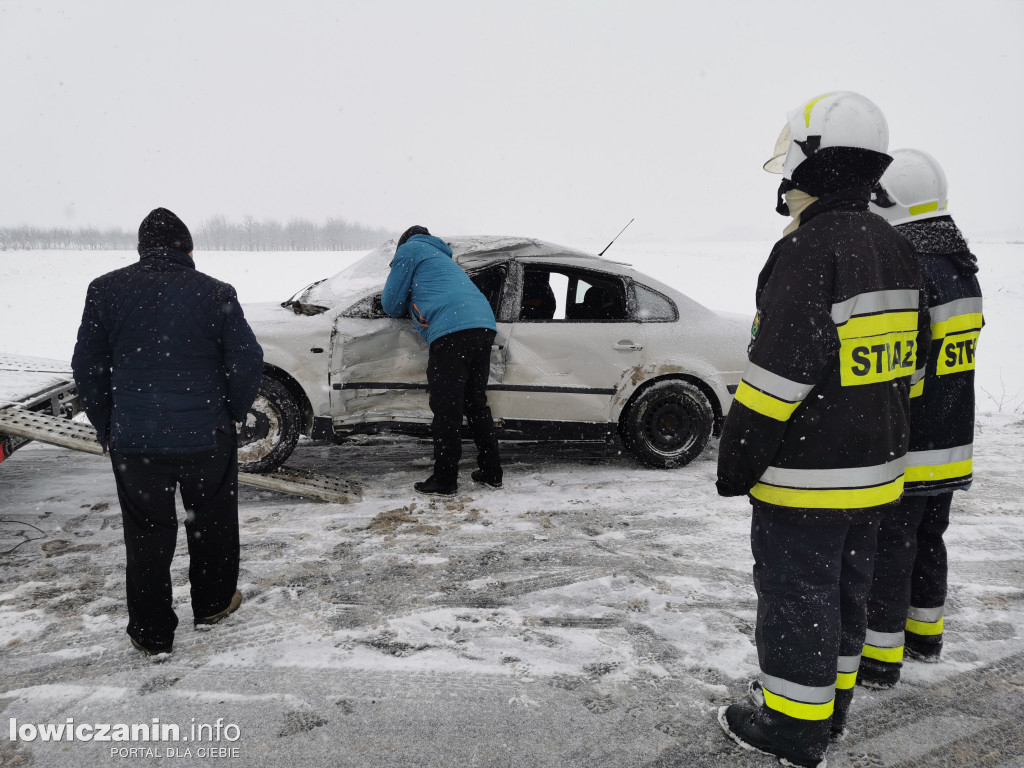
834,170
162,229
416,230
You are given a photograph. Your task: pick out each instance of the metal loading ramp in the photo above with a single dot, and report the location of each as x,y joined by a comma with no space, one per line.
82,437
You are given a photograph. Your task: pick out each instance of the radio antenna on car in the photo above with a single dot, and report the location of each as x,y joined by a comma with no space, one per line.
616,237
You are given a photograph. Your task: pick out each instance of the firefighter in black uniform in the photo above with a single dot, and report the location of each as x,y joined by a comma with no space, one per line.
819,428
908,592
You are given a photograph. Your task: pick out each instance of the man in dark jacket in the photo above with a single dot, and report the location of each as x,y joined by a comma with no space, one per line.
456,321
908,592
165,363
817,434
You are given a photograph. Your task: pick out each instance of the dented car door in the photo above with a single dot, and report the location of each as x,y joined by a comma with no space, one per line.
572,345
379,363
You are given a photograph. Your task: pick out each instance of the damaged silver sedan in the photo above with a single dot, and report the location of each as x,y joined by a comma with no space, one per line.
587,349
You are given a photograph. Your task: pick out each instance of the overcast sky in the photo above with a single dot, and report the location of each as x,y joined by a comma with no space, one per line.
559,119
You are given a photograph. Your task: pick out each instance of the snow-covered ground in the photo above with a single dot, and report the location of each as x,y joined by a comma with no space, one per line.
590,613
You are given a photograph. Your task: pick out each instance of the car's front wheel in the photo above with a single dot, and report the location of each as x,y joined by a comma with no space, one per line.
668,424
271,429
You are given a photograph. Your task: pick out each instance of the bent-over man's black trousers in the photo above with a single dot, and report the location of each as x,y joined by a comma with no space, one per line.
146,487
812,582
457,374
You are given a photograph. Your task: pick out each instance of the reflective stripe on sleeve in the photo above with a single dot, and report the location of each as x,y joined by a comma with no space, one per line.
763,403
775,385
883,646
803,702
940,464
769,394
917,382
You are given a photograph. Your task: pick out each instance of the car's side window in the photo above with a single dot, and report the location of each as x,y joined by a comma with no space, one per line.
490,282
653,307
550,293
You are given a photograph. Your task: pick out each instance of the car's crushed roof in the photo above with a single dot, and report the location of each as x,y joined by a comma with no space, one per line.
371,271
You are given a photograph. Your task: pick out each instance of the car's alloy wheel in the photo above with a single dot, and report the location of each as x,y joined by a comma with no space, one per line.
271,429
668,424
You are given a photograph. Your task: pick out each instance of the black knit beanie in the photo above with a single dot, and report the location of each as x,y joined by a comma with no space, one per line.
162,229
415,230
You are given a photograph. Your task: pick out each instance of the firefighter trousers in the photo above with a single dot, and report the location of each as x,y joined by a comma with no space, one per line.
908,591
812,582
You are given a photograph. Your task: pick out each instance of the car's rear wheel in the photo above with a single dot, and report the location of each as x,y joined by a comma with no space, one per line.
271,429
668,424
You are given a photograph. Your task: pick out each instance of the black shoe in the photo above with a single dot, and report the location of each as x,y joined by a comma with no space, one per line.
480,477
737,720
878,675
434,487
756,695
236,600
146,649
929,653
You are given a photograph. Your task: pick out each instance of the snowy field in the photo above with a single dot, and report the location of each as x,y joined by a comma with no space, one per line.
590,613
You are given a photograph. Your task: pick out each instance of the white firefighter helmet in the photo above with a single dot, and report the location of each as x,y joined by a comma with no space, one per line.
913,188
840,119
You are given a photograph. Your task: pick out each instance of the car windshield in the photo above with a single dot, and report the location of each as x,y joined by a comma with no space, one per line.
368,273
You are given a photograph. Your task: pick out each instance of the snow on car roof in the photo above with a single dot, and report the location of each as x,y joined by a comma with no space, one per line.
371,271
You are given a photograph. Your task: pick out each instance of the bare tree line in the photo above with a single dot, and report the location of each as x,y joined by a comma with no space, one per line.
215,234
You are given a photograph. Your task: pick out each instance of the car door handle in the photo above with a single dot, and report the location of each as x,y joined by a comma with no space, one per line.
627,345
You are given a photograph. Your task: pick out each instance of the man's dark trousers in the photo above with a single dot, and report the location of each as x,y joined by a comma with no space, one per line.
911,567
812,582
457,373
209,491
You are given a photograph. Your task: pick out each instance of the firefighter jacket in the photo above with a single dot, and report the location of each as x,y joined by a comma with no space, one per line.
819,427
942,404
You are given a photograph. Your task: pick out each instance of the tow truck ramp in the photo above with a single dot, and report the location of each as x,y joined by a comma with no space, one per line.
57,430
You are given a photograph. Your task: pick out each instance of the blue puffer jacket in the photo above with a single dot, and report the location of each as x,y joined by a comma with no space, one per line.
164,357
433,290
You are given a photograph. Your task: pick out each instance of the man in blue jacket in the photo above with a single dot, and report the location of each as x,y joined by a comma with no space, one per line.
165,364
457,323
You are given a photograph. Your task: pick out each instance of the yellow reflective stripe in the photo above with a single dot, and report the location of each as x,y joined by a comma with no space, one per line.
958,324
916,390
917,210
876,325
798,709
890,655
763,403
847,498
925,627
845,680
810,106
939,471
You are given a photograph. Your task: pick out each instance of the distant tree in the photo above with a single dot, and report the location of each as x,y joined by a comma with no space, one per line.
214,234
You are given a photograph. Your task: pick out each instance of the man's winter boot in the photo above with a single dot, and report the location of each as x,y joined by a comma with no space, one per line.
148,649
926,648
434,487
737,720
479,476
838,732
878,675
